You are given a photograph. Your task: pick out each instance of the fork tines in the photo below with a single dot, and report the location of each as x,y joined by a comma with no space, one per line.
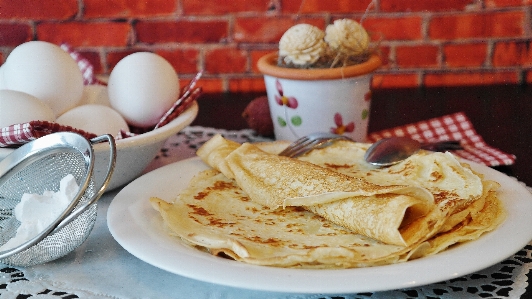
310,142
297,146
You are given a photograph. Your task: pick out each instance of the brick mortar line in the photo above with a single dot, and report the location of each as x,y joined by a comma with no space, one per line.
325,15
490,49
472,70
528,21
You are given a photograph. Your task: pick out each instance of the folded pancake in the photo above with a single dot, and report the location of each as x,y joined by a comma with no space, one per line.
215,215
393,214
214,152
453,184
484,215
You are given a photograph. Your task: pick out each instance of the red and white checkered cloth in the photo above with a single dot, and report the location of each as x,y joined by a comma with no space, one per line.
22,133
451,127
86,68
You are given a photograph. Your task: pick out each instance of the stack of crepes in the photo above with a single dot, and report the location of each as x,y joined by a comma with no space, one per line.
328,209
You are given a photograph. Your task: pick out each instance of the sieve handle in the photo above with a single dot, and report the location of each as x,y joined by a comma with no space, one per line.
110,169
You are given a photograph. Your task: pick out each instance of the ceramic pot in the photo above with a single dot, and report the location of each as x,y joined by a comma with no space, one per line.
304,101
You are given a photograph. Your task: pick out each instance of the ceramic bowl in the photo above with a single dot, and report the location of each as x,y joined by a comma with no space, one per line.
134,154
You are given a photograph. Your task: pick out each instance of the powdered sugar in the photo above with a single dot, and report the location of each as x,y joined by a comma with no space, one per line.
36,212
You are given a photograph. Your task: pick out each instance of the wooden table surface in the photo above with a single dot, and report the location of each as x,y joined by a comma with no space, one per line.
502,115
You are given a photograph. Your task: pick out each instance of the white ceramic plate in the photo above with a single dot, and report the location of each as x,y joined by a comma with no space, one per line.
139,229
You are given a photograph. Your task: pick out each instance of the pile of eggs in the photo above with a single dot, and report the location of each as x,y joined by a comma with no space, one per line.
41,81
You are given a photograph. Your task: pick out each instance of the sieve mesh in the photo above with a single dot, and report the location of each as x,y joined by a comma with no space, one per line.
39,173
60,243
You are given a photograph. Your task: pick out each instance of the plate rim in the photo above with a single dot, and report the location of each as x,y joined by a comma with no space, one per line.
413,273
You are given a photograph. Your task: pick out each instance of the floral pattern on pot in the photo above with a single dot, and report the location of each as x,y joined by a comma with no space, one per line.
340,128
365,114
367,98
283,100
287,102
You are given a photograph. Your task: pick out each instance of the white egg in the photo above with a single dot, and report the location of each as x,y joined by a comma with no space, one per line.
95,94
92,118
18,107
45,71
142,87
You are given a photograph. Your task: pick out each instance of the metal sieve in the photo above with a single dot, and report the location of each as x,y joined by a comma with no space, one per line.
39,166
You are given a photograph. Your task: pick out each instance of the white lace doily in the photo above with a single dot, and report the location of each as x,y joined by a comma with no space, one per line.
507,279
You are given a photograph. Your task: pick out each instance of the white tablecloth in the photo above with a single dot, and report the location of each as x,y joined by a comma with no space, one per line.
101,268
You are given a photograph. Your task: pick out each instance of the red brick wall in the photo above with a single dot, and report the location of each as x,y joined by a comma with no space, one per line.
423,42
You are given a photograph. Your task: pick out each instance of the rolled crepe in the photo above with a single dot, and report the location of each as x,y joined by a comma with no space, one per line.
397,214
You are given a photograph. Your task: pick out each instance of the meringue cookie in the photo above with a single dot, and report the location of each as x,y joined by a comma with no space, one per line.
302,45
347,37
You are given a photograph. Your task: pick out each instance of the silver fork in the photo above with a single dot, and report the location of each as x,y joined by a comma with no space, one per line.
312,141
